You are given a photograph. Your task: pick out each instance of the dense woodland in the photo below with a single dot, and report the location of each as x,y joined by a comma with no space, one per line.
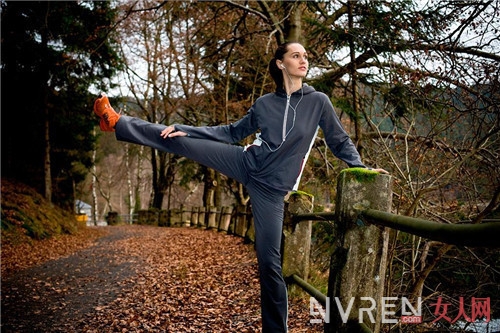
415,83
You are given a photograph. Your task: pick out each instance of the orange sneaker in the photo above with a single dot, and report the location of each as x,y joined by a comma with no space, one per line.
108,115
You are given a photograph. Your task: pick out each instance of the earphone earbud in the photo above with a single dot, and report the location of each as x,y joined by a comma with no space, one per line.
282,66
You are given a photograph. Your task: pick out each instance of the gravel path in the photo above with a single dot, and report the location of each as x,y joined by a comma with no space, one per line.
144,279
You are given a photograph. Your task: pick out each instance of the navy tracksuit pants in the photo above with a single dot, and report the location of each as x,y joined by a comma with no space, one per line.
267,206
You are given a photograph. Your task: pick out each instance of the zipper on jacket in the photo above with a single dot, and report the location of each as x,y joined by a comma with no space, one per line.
285,118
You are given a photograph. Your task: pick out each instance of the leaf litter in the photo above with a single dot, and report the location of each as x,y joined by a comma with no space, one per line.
142,279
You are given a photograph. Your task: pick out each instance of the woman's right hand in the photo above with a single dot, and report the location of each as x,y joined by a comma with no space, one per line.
381,171
170,132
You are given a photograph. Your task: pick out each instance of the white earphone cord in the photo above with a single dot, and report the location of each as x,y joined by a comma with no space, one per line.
285,118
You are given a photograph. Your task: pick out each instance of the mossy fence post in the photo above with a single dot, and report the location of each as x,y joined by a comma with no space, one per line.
359,260
163,218
142,217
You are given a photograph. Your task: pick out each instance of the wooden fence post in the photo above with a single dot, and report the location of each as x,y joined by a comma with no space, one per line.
163,218
142,216
240,227
153,216
201,217
112,218
250,234
212,217
194,216
225,218
297,236
359,260
175,217
185,216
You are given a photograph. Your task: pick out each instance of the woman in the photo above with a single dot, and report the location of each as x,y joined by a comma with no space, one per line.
269,168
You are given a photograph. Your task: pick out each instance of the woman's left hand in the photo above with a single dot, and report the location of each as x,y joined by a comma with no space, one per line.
170,132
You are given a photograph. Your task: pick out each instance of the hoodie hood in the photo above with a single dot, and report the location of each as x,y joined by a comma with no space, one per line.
306,89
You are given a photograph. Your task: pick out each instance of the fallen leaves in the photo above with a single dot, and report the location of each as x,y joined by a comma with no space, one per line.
178,280
34,252
192,280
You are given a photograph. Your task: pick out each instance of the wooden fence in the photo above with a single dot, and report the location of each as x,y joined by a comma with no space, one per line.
233,220
359,261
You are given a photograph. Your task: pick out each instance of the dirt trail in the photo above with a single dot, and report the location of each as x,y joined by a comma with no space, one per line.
144,279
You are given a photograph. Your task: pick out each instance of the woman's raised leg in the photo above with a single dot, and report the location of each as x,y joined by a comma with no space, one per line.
225,158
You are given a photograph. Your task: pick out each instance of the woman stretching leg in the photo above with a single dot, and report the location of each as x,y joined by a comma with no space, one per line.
287,121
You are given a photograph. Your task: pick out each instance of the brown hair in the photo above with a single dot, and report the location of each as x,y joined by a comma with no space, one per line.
275,72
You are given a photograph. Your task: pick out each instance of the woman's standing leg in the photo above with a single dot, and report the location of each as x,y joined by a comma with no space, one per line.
268,210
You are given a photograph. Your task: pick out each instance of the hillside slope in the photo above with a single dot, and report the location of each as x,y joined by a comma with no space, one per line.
34,230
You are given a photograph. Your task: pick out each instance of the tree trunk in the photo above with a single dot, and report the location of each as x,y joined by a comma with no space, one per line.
46,162
210,185
354,79
46,119
138,180
130,192
94,185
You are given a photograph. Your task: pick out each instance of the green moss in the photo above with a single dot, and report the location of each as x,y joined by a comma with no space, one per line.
361,175
296,193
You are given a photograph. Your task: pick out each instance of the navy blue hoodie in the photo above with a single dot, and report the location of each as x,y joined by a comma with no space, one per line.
276,158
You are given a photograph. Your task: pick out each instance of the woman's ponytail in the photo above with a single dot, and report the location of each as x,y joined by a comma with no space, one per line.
275,72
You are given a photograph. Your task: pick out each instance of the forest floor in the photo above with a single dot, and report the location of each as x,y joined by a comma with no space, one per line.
134,278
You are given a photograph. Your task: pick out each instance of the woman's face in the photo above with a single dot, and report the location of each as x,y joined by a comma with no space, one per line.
295,61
